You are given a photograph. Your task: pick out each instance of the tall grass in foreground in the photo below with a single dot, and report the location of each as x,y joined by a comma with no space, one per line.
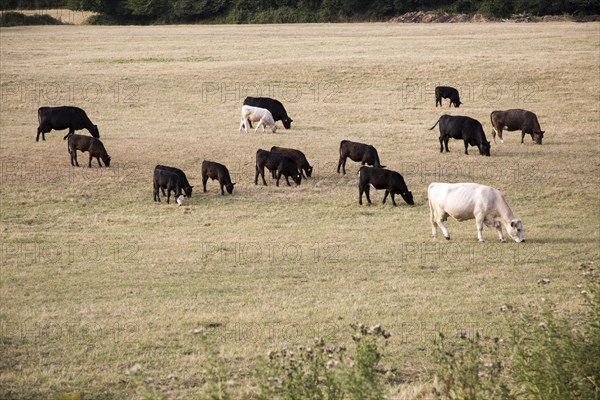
550,356
554,356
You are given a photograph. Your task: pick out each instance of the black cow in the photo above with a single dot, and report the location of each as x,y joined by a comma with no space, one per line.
165,179
214,170
447,92
86,143
59,118
298,157
185,184
278,164
465,128
514,120
274,106
380,178
359,152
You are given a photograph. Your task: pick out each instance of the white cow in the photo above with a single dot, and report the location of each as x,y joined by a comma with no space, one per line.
257,114
464,201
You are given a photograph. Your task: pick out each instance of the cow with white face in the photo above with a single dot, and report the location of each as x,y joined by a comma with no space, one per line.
464,201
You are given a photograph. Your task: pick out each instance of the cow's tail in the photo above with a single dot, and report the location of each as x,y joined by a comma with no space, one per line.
435,123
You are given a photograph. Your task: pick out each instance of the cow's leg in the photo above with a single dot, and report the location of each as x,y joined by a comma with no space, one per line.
494,134
287,179
479,222
222,191
522,136
74,155
432,222
156,194
500,135
367,190
163,191
260,123
37,137
278,176
168,195
302,172
441,144
90,161
385,196
204,180
342,163
446,139
466,147
499,229
71,131
262,174
392,195
360,194
440,223
99,164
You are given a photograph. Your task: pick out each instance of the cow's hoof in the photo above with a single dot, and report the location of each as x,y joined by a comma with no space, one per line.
502,240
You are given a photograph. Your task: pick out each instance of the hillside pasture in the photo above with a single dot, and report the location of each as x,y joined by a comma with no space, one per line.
96,277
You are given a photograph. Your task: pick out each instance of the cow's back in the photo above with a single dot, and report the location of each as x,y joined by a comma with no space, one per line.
460,200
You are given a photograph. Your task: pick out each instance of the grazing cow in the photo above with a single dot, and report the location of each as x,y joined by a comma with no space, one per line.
359,152
165,179
86,143
278,164
380,178
59,118
514,120
298,157
447,92
274,106
214,170
262,115
465,128
464,201
185,184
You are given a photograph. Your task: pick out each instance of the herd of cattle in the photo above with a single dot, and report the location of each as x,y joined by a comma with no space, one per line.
461,201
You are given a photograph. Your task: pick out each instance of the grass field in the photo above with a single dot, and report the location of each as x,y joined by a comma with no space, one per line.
96,277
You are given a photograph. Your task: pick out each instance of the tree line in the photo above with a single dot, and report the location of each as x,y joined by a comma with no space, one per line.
289,11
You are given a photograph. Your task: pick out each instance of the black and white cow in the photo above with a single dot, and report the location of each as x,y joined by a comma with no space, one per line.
274,106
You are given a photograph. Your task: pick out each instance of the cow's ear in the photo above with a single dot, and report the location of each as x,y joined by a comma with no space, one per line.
191,187
542,132
233,184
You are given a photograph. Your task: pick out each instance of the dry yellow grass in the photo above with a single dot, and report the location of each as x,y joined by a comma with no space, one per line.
96,277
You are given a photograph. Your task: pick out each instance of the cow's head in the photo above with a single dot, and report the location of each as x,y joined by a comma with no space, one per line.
274,128
94,131
188,191
106,159
457,103
179,200
297,177
484,148
287,122
229,187
408,198
516,230
537,137
309,171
